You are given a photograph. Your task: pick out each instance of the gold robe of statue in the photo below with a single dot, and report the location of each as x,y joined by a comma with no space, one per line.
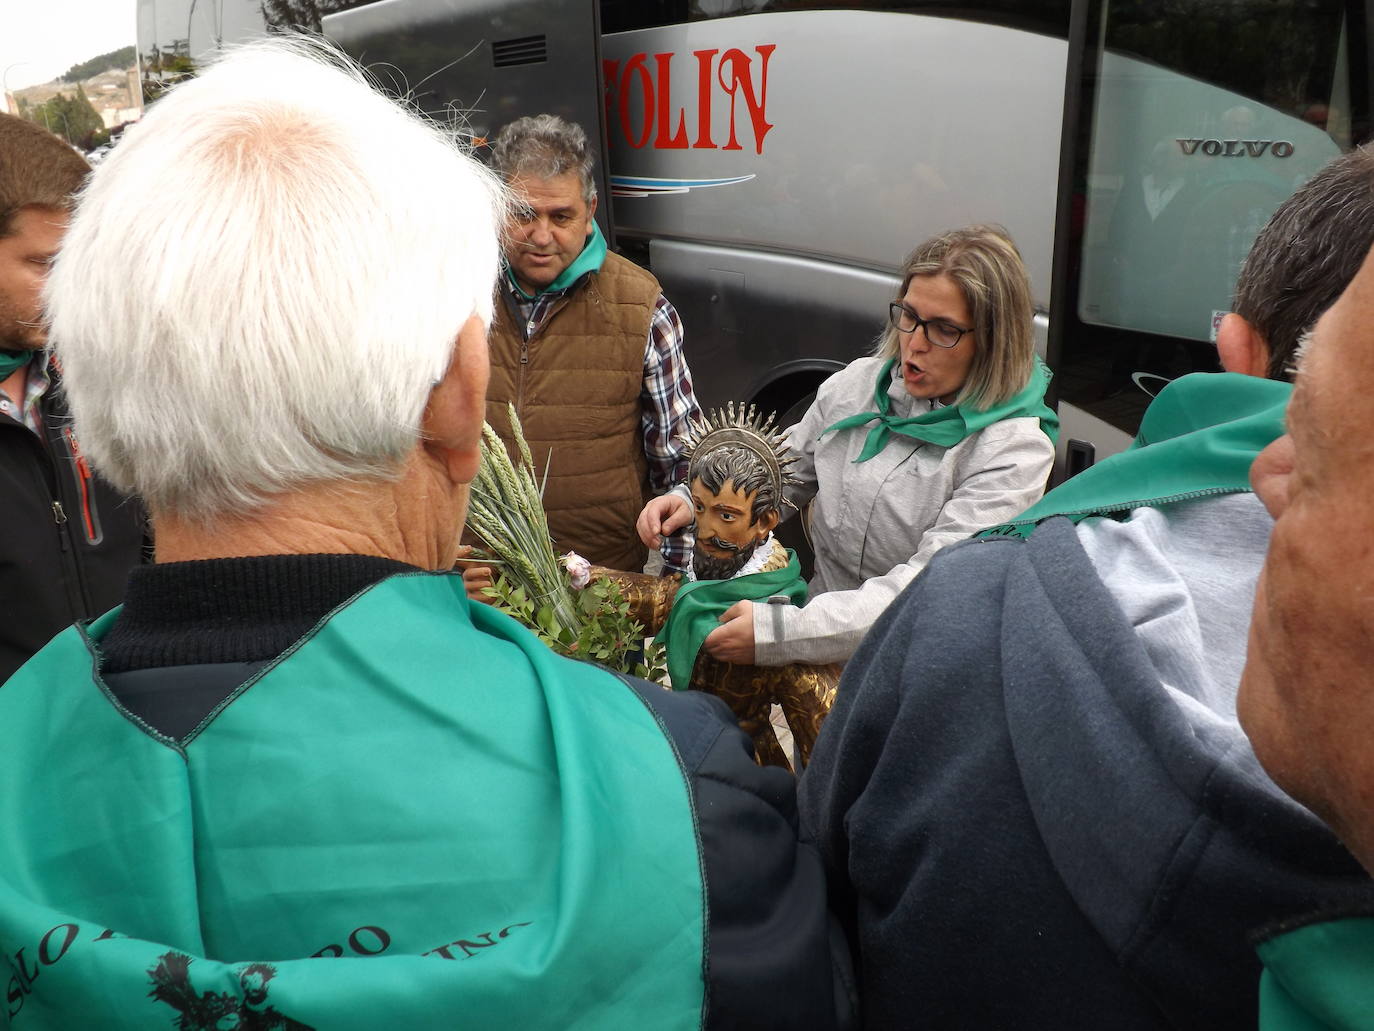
804,692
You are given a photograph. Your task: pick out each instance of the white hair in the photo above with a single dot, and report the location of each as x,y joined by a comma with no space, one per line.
262,285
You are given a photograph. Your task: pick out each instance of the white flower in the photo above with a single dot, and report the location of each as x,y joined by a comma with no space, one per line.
579,569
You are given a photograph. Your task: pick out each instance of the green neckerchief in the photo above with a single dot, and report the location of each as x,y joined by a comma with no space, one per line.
948,425
698,605
1198,437
590,260
12,361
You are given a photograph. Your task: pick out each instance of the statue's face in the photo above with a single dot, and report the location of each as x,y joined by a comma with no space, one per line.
727,533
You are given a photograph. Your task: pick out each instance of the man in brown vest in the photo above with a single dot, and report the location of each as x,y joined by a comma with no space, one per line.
588,350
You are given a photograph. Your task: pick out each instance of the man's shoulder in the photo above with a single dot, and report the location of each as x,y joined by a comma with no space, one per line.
978,596
622,276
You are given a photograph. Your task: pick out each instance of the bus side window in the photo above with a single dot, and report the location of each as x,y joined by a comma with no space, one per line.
1047,16
1196,138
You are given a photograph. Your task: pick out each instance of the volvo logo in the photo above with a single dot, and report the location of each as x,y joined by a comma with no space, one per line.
1237,148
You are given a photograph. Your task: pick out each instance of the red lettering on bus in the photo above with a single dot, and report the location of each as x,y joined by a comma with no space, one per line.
678,140
744,80
638,80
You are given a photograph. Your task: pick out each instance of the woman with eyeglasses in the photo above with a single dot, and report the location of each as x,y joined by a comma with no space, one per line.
941,432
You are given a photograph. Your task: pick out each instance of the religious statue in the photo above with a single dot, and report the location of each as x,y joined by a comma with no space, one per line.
736,480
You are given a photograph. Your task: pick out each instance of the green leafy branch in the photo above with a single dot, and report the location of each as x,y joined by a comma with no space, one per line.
531,583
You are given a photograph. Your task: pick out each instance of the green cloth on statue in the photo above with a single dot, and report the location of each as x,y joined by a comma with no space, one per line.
12,361
698,605
417,817
1198,437
948,425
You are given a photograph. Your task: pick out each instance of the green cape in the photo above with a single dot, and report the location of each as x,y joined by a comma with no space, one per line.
698,605
1198,437
417,817
950,424
1318,977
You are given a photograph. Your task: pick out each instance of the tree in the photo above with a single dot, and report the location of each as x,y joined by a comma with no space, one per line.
115,59
71,117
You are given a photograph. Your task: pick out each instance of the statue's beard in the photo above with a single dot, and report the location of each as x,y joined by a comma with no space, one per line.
708,567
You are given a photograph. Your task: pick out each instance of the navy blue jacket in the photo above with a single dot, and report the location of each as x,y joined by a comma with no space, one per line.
1026,831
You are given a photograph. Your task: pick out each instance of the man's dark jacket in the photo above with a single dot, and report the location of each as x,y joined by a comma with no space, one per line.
68,541
1027,829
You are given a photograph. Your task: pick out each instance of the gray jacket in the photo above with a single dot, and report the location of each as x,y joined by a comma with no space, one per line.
876,524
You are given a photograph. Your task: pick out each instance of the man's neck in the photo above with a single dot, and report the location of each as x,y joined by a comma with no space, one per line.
415,519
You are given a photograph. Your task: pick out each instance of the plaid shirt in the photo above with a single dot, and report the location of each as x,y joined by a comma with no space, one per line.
37,383
667,404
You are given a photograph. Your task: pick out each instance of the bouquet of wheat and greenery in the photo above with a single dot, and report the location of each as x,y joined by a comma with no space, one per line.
553,596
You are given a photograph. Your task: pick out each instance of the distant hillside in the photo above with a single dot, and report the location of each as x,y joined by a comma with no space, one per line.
121,58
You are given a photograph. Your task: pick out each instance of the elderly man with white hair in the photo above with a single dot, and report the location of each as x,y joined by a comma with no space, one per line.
297,780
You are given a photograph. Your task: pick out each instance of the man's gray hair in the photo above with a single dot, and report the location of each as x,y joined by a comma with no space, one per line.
738,464
1306,255
263,283
543,147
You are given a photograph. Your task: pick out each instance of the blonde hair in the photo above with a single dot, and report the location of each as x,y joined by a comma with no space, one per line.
984,262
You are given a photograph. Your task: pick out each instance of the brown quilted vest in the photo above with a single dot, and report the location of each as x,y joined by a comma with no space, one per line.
577,394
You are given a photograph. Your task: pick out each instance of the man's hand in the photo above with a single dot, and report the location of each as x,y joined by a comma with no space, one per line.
475,577
662,516
733,640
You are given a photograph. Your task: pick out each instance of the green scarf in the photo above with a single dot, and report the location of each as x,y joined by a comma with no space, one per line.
948,425
12,361
590,260
1198,437
698,605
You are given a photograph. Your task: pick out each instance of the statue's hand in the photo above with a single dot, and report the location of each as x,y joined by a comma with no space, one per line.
733,640
475,577
663,515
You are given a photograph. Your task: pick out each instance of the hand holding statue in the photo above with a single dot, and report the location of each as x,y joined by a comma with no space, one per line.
661,517
733,640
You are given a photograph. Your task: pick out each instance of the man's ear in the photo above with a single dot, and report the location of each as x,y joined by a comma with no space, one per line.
767,524
591,212
1241,348
452,423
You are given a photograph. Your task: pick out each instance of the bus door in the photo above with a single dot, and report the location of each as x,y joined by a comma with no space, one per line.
1194,122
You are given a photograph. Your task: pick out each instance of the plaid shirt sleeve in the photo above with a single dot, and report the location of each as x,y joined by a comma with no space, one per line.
668,407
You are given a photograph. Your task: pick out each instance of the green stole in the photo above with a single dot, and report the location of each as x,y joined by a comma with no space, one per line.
1198,437
417,817
1316,976
950,424
698,605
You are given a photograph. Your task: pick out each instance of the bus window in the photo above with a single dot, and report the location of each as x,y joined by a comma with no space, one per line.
1196,137
1047,16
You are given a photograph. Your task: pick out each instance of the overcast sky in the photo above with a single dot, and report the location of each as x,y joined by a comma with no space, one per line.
41,39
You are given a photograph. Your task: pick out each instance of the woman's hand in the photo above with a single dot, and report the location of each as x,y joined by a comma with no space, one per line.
733,640
662,516
475,577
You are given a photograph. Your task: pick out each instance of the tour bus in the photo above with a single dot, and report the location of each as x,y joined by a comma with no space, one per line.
773,161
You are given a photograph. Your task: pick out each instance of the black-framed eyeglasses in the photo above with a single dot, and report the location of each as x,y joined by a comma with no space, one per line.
940,332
